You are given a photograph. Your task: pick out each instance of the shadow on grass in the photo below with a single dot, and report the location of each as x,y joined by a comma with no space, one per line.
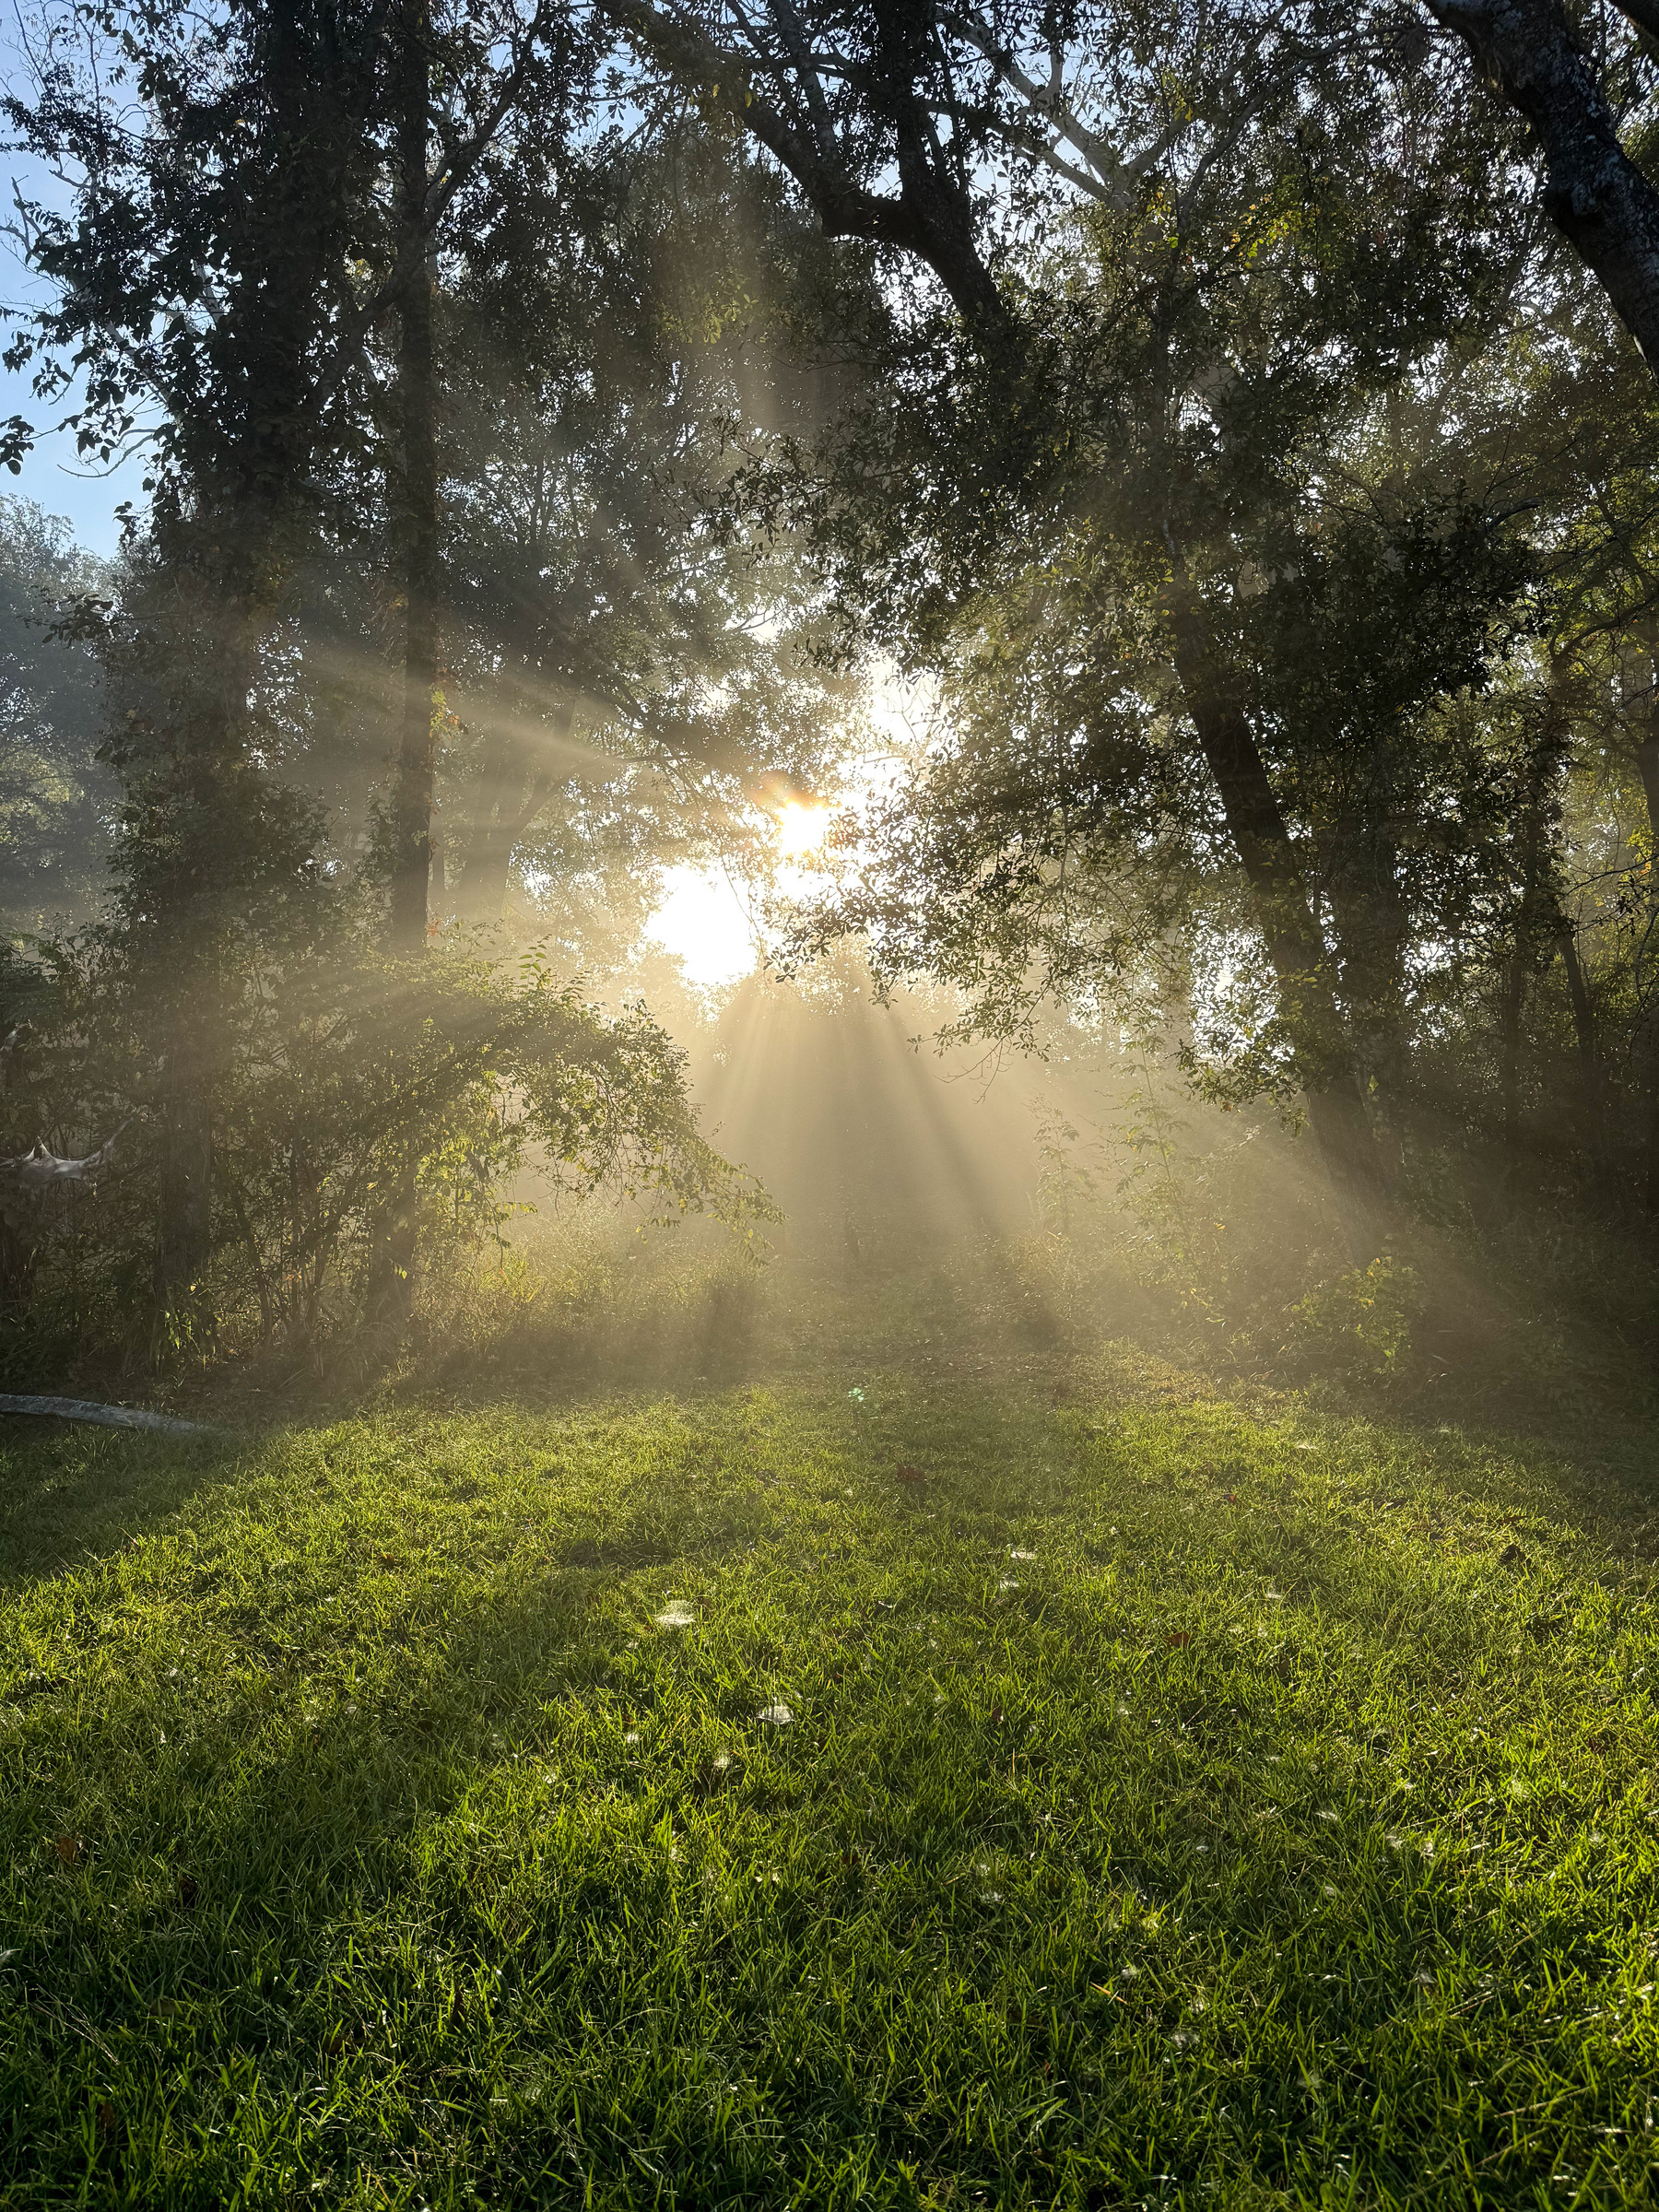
304,1892
70,1493
348,1915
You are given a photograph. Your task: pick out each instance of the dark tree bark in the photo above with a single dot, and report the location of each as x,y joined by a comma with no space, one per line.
392,1253
412,793
1647,764
1593,192
1336,1109
931,214
1583,1023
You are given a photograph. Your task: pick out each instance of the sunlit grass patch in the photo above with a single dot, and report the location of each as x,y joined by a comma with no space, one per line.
1145,1804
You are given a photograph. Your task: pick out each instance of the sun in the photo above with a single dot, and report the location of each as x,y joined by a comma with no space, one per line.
801,829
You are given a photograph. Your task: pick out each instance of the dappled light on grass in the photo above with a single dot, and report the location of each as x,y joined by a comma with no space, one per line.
405,1863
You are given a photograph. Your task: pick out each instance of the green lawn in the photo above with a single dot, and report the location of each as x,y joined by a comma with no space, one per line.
1179,1808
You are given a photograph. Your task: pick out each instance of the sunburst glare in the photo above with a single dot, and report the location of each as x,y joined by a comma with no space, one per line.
801,829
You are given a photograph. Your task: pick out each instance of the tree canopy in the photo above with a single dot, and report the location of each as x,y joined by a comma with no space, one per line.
561,419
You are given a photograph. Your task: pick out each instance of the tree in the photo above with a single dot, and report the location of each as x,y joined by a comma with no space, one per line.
202,272
55,795
615,345
1598,197
289,179
216,277
1245,273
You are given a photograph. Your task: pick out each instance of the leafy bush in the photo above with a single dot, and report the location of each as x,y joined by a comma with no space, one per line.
365,1114
1358,1325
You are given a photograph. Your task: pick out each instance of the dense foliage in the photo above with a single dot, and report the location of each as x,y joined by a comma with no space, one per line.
557,416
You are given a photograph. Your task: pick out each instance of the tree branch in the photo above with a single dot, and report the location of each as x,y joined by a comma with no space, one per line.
1644,13
1593,192
929,215
411,256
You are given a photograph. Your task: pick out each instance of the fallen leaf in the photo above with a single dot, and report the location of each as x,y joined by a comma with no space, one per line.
108,2118
188,1891
777,1715
1179,1639
68,1849
1511,1556
996,1716
912,1475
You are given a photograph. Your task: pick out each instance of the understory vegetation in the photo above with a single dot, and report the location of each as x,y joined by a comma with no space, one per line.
924,1773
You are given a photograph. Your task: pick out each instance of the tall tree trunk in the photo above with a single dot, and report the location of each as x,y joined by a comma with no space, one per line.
1592,190
1647,763
1336,1110
392,1252
1511,1007
1583,1026
202,791
412,797
1514,1004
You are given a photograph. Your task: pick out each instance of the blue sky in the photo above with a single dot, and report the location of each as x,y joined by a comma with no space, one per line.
53,475
56,480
